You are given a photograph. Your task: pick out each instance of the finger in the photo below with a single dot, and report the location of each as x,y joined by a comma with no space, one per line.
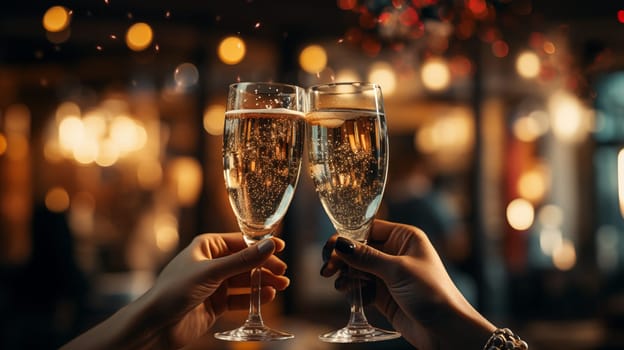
333,265
244,260
328,248
235,242
381,230
331,262
275,265
366,258
241,301
268,279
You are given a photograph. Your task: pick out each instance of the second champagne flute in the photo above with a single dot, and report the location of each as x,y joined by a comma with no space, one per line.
348,161
262,149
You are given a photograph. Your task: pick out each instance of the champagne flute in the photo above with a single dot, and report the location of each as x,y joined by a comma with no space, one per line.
348,160
262,150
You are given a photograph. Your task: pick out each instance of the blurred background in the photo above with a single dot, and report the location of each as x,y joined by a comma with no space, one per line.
506,122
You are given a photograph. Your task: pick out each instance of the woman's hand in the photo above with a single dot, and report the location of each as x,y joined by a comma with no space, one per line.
412,288
191,292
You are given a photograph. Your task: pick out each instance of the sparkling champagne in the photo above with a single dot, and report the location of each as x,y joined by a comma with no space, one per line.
348,162
262,152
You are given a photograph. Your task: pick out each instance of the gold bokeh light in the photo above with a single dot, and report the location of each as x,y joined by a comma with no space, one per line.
214,117
528,65
139,36
520,214
313,59
231,50
56,19
436,74
57,199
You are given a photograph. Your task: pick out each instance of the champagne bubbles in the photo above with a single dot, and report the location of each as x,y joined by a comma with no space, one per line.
186,75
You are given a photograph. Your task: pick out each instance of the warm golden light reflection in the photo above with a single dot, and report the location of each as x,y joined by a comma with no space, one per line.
564,256
52,151
56,19
82,214
550,216
17,120
166,231
214,118
70,133
17,147
3,144
149,174
231,50
98,138
139,36
451,134
550,239
347,75
549,47
87,152
186,176
95,125
528,65
435,74
67,109
533,184
520,214
108,154
17,131
529,128
383,74
313,59
57,199
567,117
127,135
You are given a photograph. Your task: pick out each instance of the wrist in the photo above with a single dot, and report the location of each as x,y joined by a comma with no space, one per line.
464,326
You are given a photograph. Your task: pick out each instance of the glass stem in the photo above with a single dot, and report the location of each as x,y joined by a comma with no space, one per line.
357,318
254,319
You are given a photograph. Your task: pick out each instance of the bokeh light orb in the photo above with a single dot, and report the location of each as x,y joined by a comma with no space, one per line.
346,75
383,74
139,36
56,19
3,144
231,50
57,199
186,75
313,59
214,118
528,65
564,255
520,214
436,74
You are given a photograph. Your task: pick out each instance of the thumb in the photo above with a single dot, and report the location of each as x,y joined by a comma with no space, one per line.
364,257
242,261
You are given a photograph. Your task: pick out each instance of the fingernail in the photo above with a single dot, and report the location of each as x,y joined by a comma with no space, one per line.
345,246
266,246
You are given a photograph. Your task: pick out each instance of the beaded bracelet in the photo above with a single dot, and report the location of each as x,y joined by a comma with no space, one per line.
505,339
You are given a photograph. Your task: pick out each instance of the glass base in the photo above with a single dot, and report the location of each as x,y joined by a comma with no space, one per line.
253,333
361,334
